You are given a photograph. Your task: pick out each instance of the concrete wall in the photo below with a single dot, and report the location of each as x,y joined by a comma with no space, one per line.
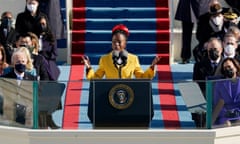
12,135
24,136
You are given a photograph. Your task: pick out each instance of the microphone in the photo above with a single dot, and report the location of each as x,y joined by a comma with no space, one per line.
123,55
119,60
119,57
115,56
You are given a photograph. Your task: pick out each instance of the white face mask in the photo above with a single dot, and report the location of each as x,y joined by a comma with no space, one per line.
32,7
229,50
217,20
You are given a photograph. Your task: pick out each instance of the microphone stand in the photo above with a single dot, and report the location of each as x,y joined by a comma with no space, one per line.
120,72
119,68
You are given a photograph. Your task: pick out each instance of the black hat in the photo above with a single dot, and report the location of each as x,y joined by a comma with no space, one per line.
215,8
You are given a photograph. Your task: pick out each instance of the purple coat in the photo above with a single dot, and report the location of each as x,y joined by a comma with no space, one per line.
230,92
49,51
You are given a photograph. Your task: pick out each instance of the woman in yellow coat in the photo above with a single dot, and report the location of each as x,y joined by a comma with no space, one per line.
119,63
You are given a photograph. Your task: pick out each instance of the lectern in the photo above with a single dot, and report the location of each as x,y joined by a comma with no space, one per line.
120,103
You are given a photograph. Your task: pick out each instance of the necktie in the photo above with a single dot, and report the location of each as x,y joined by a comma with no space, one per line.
215,65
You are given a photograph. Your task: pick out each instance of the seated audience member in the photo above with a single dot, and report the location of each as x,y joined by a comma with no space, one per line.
119,63
30,41
48,47
3,63
230,44
209,65
226,96
20,64
39,62
236,32
29,66
7,34
209,25
27,21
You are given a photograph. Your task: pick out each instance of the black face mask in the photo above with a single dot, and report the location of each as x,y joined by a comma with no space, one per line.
20,68
44,28
227,24
213,54
7,23
228,73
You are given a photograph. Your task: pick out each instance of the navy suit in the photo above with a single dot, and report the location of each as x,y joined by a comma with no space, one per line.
202,70
12,74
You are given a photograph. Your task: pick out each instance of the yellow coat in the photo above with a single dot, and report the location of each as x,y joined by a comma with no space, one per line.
132,68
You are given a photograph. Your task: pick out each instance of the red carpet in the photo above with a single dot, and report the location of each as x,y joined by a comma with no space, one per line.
73,93
78,31
167,97
163,33
165,85
72,100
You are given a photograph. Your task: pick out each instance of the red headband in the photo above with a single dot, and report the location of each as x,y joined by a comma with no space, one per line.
121,27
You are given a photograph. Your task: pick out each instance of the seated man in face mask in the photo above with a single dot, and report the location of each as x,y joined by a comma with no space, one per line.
209,65
230,44
19,61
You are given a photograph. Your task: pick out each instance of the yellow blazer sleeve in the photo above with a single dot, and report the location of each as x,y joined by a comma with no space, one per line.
149,73
99,72
139,73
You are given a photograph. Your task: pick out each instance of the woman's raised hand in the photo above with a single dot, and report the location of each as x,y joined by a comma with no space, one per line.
86,61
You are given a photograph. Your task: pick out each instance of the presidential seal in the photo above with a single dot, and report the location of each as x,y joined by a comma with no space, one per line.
121,96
